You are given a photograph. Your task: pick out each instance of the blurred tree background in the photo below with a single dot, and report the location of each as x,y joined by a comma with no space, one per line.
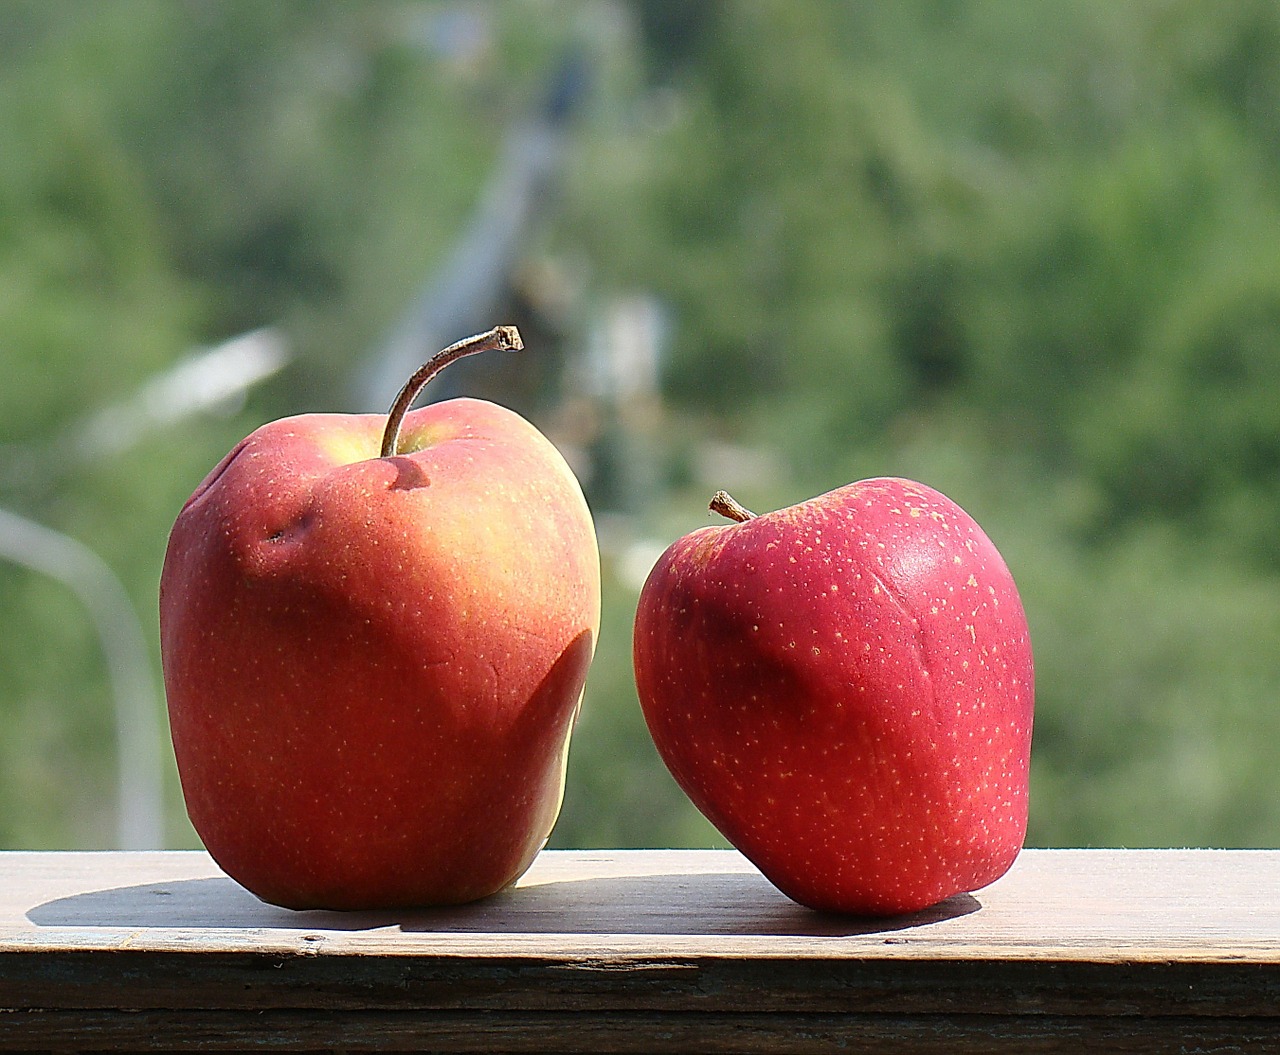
1027,253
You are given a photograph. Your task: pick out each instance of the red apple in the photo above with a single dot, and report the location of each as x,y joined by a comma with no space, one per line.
373,663
844,688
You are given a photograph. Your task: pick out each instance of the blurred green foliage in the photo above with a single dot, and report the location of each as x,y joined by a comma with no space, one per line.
1026,253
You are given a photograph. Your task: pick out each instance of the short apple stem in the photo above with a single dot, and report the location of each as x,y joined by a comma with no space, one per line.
727,506
499,339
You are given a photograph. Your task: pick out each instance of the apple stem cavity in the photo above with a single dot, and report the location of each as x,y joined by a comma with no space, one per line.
727,506
499,339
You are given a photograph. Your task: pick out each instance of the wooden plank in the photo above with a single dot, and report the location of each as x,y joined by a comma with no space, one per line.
647,950
1073,905
639,1033
177,981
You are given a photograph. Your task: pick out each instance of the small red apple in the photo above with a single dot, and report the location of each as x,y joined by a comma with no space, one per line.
374,651
844,688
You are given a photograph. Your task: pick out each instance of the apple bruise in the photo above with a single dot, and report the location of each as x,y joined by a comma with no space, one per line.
844,688
371,683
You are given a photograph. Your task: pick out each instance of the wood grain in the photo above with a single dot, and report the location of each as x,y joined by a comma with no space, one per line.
645,951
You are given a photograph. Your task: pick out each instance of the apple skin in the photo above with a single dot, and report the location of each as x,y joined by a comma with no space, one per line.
845,689
373,664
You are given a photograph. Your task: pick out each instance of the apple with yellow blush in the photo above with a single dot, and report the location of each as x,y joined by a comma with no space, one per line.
375,632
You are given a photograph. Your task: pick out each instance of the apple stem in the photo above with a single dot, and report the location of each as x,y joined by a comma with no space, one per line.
727,506
499,339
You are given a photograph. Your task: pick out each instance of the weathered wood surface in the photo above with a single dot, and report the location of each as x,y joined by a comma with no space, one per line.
639,951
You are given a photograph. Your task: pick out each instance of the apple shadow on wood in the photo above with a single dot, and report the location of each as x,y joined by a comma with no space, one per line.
714,903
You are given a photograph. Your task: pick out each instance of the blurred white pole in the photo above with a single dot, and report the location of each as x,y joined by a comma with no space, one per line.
207,381
210,380
139,734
